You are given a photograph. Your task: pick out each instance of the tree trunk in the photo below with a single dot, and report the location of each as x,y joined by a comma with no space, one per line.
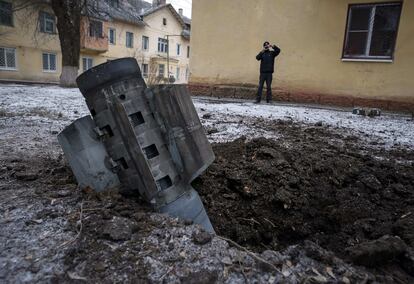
68,13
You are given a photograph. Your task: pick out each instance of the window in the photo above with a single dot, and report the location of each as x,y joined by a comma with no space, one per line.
145,43
47,23
162,45
49,62
188,51
164,21
95,29
187,73
87,63
112,35
7,58
372,30
161,70
6,13
129,39
145,70
177,75
178,48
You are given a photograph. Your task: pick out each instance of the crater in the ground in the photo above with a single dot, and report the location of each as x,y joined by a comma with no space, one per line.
264,195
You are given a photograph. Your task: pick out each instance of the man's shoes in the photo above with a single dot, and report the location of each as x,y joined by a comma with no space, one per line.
256,102
268,101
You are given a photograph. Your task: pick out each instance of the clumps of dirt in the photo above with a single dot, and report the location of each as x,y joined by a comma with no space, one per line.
268,194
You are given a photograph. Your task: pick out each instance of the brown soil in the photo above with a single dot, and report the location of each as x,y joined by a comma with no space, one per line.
305,186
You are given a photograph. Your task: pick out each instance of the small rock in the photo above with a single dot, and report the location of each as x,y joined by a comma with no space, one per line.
319,123
207,116
226,260
54,132
201,238
212,130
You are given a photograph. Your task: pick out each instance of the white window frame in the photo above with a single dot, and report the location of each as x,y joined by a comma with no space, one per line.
87,60
145,39
5,59
48,61
366,56
162,45
113,30
132,39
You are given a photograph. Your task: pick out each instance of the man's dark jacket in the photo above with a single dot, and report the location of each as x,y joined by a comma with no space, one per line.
267,58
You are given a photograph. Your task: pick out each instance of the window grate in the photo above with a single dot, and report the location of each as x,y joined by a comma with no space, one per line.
49,61
7,58
137,118
164,183
151,151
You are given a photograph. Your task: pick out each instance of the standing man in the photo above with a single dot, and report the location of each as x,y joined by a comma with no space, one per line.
267,63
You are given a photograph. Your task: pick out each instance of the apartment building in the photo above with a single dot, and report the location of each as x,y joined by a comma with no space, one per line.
154,33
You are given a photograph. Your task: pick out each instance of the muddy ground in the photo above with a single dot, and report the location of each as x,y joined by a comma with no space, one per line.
317,202
315,185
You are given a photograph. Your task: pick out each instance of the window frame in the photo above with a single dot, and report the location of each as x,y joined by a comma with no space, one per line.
109,36
178,49
188,51
163,70
145,70
48,59
6,68
86,58
164,21
143,43
365,57
11,15
132,39
177,73
94,33
43,20
162,42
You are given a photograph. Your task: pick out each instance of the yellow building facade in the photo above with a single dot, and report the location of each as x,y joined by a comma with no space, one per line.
313,65
32,48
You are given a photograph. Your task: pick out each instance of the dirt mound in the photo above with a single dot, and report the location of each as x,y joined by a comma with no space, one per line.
266,195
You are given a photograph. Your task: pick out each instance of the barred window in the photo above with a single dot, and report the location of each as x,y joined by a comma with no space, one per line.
178,49
6,13
49,62
7,58
162,45
87,63
47,22
372,30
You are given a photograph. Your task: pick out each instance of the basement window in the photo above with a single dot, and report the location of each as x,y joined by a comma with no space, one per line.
371,31
164,183
151,151
164,21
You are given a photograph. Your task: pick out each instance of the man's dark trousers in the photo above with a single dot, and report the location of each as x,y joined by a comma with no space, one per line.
268,78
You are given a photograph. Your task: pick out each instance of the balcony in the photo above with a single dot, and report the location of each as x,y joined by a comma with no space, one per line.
92,37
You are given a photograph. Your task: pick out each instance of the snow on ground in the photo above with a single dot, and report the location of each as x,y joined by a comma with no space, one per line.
228,117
